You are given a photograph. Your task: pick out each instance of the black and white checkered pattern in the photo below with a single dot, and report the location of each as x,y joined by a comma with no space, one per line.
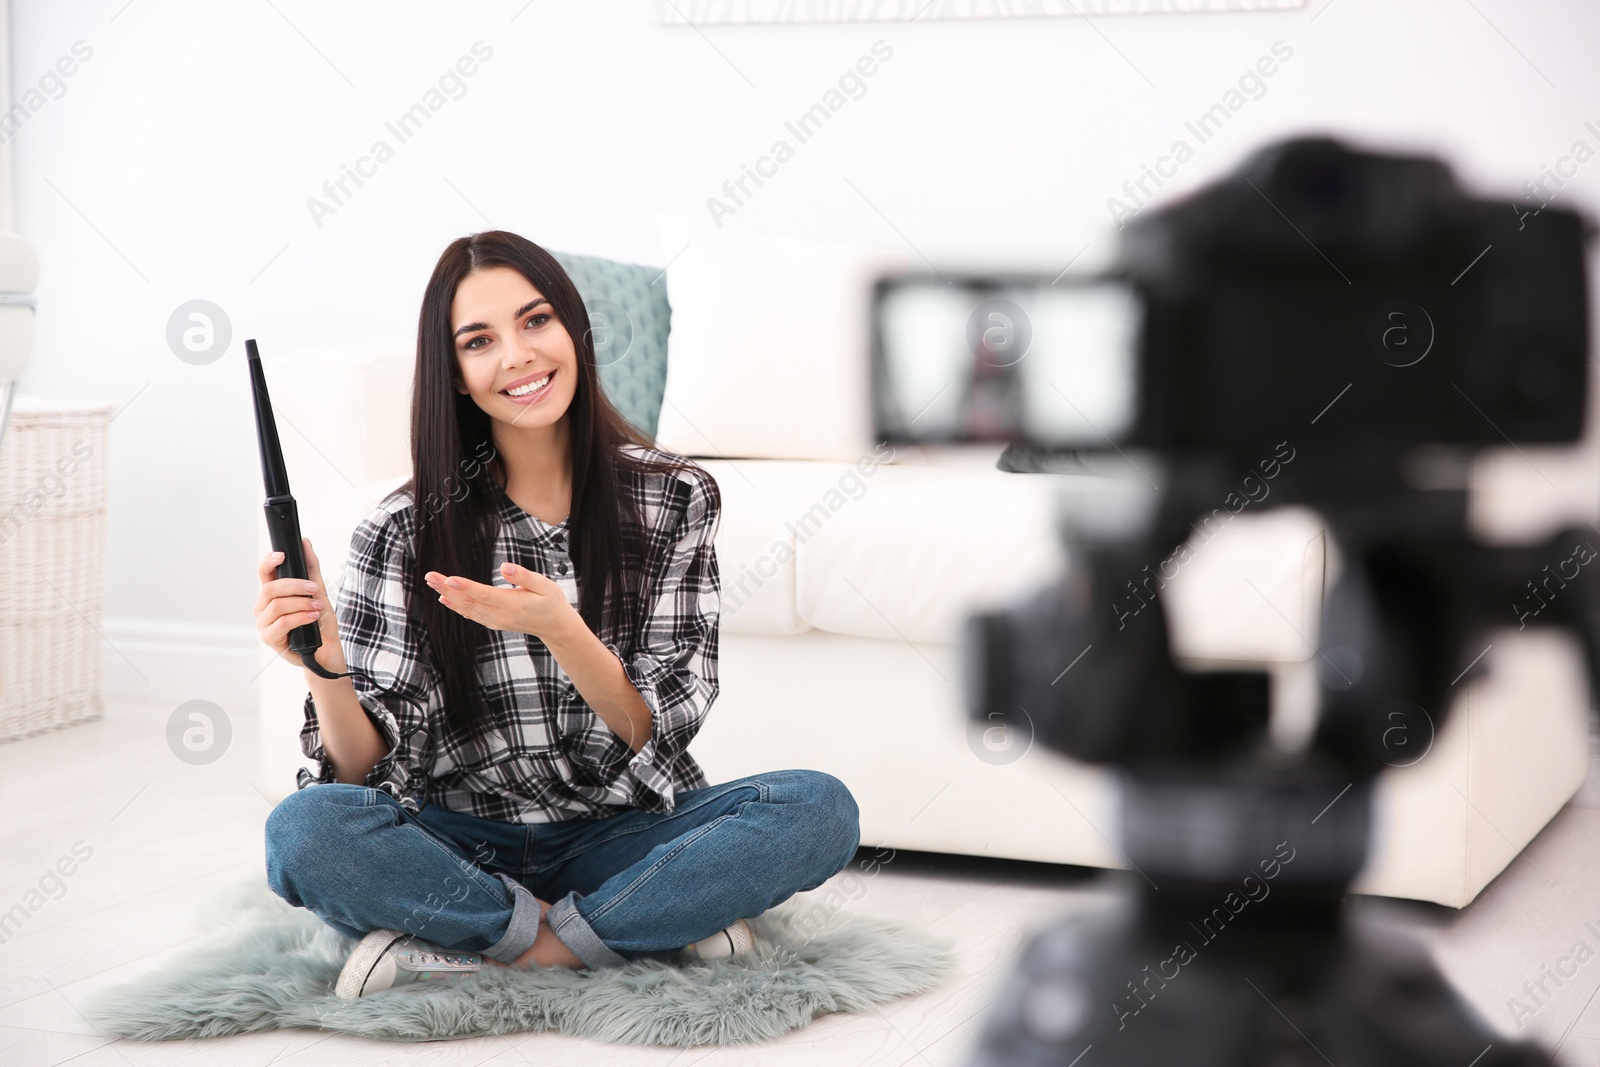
545,756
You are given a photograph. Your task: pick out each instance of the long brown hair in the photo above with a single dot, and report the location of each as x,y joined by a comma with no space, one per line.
452,447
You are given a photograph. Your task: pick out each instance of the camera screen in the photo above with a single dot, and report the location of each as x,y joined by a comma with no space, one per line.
998,360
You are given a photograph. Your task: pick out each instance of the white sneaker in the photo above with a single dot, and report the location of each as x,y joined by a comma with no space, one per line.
735,940
385,959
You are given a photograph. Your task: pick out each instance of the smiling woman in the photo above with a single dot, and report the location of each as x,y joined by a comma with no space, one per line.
555,676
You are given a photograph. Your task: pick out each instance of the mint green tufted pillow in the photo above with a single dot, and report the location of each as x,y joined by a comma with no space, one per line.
630,317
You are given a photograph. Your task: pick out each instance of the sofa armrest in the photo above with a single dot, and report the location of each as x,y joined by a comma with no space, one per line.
343,414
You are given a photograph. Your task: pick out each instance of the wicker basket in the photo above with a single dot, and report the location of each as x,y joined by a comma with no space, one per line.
52,563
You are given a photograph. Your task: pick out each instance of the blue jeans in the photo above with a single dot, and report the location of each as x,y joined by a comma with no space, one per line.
628,886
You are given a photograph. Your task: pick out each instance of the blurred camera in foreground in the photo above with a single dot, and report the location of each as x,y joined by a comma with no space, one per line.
1353,328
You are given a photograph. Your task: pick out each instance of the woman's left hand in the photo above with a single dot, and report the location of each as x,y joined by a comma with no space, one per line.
534,605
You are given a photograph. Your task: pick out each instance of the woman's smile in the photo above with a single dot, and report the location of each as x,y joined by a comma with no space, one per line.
538,388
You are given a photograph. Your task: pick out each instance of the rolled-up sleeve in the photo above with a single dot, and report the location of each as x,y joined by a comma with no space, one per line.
674,663
392,676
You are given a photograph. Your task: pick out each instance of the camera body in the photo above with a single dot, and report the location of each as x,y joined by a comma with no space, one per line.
1317,271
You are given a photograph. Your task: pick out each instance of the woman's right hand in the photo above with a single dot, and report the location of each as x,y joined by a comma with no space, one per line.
288,603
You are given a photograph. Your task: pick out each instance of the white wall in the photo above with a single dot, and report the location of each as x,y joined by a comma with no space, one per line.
178,162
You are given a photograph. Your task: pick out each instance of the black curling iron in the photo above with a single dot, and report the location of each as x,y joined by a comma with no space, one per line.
283,518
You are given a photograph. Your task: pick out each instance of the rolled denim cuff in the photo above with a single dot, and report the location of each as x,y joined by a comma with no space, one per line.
524,925
576,933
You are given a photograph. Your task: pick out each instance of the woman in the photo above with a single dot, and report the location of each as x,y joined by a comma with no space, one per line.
501,766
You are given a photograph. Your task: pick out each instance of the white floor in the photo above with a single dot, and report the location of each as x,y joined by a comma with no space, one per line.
164,834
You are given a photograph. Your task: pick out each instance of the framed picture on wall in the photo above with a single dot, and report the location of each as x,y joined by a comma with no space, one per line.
745,12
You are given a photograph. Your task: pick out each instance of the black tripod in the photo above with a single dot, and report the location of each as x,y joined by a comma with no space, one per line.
1230,945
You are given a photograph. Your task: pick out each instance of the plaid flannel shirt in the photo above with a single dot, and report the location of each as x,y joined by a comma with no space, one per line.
546,756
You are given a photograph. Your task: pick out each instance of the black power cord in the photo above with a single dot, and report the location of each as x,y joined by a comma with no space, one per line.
310,660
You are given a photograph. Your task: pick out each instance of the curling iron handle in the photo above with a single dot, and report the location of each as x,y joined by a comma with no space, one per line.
283,526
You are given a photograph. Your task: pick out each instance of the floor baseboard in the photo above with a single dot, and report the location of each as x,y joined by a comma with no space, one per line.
159,661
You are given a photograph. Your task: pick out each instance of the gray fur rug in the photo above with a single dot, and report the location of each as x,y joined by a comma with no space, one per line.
271,966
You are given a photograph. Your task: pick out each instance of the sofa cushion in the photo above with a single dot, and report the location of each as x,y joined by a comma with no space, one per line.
905,552
630,319
1248,591
355,401
769,344
770,510
924,547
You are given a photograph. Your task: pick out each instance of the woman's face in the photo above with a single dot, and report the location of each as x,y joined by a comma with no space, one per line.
508,337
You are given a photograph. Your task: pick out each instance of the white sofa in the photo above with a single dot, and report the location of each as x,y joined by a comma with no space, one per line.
845,580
